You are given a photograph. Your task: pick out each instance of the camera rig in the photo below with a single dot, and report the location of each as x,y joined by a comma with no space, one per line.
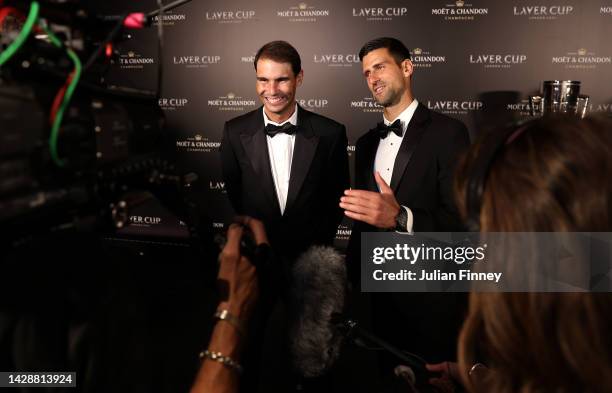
72,145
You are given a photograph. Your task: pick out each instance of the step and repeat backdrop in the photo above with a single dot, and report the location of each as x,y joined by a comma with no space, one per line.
475,60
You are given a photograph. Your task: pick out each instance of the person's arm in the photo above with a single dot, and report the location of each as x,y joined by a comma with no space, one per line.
381,209
238,283
215,377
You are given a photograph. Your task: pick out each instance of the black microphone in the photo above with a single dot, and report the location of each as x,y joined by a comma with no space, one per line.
319,288
317,325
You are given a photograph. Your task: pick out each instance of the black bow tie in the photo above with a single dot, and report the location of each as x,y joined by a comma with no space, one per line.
288,128
383,130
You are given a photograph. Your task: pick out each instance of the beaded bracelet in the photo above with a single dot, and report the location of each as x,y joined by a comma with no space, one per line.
219,357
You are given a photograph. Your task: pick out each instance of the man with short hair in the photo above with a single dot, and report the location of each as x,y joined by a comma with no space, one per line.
403,181
283,164
407,159
287,167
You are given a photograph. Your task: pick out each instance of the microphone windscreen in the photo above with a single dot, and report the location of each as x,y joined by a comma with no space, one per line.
319,287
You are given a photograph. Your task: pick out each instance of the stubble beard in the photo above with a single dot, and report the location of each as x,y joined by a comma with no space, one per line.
390,99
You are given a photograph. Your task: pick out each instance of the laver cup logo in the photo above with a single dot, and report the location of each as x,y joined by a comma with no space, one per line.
507,60
582,59
372,14
231,102
134,60
601,108
606,10
336,59
194,61
460,11
217,186
303,12
145,221
451,107
171,104
541,12
230,16
313,103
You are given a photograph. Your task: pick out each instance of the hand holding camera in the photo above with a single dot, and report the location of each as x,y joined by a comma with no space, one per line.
237,277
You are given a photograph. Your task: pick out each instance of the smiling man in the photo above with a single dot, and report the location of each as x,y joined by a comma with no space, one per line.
403,182
404,166
283,164
287,167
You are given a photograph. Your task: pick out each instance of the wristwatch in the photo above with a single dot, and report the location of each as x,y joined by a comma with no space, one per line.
401,220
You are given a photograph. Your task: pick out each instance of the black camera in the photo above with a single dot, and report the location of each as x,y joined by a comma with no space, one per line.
71,145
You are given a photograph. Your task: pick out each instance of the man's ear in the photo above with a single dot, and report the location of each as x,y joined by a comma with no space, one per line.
300,77
407,68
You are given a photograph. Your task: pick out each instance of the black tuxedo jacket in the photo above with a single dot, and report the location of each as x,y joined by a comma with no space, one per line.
319,176
423,169
422,180
422,177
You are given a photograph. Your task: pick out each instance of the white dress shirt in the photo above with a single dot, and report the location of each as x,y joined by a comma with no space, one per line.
280,150
388,149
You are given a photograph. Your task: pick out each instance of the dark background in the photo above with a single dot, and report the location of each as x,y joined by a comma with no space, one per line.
130,314
199,98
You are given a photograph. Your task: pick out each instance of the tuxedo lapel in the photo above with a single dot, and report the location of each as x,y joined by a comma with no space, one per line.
411,139
369,153
303,153
256,148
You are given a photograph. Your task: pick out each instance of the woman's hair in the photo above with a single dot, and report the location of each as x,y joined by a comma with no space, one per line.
552,174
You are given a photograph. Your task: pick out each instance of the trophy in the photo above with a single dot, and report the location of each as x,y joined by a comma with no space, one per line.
559,97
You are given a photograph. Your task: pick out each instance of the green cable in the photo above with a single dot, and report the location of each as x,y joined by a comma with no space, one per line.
65,101
23,34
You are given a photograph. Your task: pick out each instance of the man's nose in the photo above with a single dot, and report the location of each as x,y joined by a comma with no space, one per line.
273,88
